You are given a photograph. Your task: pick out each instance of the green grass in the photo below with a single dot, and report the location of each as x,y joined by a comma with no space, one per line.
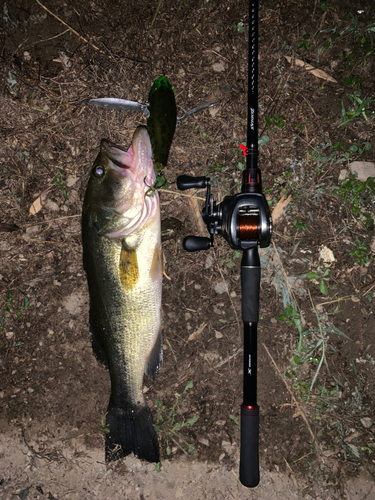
323,279
312,347
60,182
169,427
11,309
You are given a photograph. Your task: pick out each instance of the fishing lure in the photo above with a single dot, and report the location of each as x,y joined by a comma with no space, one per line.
161,114
161,123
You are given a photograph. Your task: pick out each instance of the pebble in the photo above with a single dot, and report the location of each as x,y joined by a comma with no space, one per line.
52,205
204,441
209,261
326,254
218,67
366,422
220,287
343,174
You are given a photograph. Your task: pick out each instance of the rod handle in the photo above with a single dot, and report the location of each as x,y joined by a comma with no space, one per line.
196,243
187,182
249,454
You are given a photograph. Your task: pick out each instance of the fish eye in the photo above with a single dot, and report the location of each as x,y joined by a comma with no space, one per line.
98,171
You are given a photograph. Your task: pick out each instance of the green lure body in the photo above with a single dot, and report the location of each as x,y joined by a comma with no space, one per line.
161,123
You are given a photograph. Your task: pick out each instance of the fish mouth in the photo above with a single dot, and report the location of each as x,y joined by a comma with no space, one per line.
120,157
111,144
137,157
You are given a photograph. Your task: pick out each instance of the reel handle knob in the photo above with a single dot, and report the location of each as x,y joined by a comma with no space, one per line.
196,243
187,182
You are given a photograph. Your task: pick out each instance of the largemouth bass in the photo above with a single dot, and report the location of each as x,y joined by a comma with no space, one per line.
122,257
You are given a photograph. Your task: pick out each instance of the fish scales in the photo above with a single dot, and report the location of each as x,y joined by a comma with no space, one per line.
123,263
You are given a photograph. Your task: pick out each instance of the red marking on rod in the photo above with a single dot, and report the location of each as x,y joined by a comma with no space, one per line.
244,149
250,407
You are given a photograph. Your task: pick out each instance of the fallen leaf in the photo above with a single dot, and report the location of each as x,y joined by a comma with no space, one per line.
36,206
196,334
279,209
315,71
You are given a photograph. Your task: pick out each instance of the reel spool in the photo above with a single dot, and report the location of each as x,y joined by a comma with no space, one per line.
248,228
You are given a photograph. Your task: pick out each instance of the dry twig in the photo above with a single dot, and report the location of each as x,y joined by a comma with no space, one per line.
67,25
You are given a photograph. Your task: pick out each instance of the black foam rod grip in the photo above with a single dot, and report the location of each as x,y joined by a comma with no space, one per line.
249,454
250,282
196,243
188,182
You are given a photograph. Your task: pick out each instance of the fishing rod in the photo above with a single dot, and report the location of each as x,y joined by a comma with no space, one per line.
245,222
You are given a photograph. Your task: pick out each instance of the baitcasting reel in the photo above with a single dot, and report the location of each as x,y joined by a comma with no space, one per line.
244,219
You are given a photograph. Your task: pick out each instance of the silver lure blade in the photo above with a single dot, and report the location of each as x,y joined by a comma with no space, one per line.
194,110
120,105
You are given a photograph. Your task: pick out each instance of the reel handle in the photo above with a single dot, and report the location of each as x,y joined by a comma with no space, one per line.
188,182
196,243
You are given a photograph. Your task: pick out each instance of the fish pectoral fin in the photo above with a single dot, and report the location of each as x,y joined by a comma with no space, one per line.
128,268
155,359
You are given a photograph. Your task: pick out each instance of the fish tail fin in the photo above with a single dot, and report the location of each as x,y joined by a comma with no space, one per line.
131,430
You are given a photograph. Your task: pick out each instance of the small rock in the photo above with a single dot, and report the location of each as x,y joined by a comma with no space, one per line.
204,441
73,303
343,174
228,447
52,205
71,180
9,335
218,334
209,262
366,422
372,244
363,169
213,111
218,67
326,255
197,286
30,390
221,287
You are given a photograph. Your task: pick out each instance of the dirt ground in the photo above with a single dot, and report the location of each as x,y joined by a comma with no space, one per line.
316,349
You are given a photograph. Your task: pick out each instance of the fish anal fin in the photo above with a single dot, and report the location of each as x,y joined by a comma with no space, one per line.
155,359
